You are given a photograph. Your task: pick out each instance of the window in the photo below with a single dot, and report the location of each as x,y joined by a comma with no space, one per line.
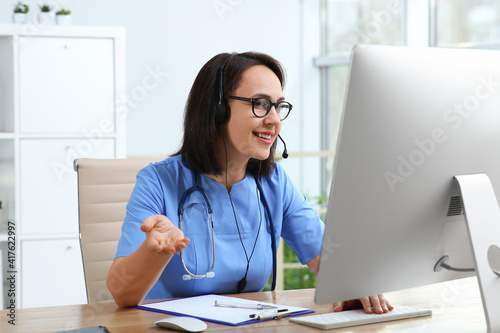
346,23
473,23
349,23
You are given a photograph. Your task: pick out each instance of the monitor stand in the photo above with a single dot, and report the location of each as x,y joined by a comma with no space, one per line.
482,215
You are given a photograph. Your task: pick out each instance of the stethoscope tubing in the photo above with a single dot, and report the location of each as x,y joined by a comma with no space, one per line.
208,207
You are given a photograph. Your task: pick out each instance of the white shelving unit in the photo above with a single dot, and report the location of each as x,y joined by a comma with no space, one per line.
61,98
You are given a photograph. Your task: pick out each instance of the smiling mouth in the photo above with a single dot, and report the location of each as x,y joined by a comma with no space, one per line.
264,136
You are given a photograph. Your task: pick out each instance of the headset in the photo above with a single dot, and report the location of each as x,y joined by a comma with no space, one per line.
222,113
222,110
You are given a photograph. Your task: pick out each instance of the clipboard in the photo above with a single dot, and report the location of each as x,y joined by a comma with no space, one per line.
203,307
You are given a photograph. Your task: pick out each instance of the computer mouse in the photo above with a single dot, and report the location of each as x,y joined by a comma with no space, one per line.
183,324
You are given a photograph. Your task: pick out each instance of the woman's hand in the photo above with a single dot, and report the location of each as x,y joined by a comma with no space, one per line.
162,236
130,278
377,304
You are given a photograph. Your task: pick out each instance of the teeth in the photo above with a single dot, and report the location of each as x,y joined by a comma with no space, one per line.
264,136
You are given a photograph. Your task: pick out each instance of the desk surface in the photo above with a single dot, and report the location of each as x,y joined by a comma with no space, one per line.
453,300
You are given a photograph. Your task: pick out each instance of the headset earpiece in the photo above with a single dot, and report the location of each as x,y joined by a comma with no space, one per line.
222,111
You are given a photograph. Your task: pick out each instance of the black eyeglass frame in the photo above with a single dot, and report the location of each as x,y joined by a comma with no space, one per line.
271,104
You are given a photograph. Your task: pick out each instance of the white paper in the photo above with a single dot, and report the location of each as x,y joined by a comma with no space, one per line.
203,307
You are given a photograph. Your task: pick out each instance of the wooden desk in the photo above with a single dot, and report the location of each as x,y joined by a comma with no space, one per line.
453,300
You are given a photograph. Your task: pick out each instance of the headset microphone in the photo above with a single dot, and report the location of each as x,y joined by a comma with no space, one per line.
285,152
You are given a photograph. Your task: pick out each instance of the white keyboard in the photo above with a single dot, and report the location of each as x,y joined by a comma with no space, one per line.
348,318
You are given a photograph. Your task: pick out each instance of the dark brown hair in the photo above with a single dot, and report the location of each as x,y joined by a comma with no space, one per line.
201,129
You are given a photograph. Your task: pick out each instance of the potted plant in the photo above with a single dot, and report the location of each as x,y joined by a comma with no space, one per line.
45,16
63,17
20,13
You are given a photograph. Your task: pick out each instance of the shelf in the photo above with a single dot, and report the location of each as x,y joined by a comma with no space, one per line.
52,135
62,31
45,124
10,136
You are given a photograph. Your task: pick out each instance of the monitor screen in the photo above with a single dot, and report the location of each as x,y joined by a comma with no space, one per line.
413,119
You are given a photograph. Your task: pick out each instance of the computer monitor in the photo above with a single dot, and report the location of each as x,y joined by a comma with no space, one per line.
414,118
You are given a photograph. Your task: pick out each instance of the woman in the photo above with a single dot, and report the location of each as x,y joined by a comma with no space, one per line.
233,116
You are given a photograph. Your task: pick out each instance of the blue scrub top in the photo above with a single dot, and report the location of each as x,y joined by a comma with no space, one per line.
159,189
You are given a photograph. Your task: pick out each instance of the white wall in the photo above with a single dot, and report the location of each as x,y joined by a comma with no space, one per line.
174,39
168,42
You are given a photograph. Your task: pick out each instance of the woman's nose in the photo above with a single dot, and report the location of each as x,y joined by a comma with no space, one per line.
273,116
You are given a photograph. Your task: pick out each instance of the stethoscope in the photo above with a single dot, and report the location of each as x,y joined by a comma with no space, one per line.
208,207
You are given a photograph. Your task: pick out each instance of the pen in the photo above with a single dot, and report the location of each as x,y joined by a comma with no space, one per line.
278,312
274,315
257,306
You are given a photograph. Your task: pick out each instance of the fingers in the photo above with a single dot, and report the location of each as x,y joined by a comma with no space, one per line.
385,303
163,246
338,306
152,221
367,305
377,304
373,304
381,304
163,236
178,246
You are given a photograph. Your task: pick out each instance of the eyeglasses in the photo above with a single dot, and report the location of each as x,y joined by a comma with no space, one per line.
261,106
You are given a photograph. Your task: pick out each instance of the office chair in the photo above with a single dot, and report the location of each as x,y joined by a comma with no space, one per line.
104,188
